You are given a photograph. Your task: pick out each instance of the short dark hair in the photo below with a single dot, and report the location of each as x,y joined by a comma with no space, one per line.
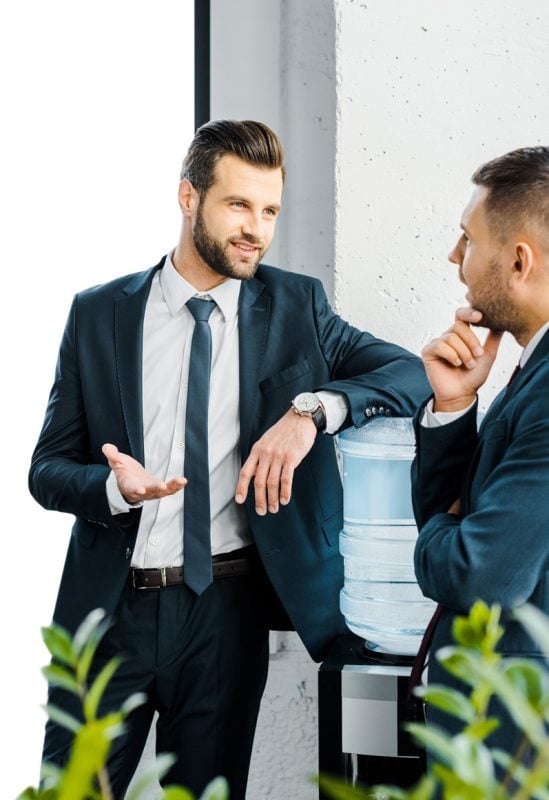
518,184
254,142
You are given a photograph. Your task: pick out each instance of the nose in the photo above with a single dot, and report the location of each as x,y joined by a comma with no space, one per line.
253,226
454,256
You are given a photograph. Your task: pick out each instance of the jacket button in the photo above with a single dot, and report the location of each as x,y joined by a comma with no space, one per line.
128,553
368,412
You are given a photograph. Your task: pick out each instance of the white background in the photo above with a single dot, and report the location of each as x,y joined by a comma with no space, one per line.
97,105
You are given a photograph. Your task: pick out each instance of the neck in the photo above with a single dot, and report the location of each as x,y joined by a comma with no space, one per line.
193,268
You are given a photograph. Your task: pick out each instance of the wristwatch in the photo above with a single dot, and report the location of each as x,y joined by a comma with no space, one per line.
307,404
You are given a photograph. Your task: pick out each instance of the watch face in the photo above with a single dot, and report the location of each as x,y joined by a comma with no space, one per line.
306,402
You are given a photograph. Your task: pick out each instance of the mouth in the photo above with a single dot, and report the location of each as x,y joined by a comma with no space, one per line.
245,249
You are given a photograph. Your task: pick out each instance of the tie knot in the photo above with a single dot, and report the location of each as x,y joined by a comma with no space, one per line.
200,309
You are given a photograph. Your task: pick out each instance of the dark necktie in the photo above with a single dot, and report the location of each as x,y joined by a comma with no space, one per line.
197,549
514,374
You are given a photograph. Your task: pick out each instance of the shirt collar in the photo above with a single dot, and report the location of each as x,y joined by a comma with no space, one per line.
176,291
533,343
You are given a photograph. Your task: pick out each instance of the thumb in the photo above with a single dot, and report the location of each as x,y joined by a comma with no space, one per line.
492,342
110,451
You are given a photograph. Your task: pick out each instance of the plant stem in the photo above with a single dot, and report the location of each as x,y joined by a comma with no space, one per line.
104,784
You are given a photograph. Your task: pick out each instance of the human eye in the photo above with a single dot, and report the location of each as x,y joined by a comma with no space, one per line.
271,212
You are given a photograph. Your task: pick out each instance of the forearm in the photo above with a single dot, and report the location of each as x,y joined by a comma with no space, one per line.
60,484
443,456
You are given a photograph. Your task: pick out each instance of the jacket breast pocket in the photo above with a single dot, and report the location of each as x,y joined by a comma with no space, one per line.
284,376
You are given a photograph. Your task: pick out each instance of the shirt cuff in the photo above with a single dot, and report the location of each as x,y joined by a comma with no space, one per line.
336,407
436,419
116,502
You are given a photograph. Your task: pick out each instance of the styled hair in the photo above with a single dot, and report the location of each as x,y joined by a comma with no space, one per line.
518,184
251,141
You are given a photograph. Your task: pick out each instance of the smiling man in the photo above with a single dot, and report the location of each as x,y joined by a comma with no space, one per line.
482,498
199,374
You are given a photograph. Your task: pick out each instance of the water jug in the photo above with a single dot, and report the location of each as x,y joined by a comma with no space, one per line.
380,599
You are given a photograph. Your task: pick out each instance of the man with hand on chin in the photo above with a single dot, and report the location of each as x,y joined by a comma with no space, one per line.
198,374
481,499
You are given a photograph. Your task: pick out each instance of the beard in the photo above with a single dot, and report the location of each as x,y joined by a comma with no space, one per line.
217,255
499,313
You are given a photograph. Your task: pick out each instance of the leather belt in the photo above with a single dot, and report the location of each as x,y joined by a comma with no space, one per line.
226,565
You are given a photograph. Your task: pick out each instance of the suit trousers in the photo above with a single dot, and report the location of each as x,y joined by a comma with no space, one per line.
202,663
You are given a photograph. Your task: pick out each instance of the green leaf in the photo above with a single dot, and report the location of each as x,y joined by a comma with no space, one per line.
89,649
218,789
480,630
134,701
529,678
454,788
63,718
537,787
473,763
339,790
536,623
56,675
58,642
93,697
152,775
482,728
88,756
449,700
433,739
87,629
177,793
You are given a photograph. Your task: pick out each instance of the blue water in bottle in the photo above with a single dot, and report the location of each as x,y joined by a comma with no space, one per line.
380,599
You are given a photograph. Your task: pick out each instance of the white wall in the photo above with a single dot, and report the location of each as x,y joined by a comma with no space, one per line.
427,91
97,111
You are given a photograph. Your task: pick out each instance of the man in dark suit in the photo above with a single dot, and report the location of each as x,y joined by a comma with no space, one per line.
200,373
482,499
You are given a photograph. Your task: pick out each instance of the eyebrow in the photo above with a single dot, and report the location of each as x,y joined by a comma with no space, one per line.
232,198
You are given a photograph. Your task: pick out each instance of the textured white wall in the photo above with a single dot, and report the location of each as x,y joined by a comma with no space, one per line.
427,91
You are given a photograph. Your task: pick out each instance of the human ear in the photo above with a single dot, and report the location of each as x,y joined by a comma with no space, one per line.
188,197
524,260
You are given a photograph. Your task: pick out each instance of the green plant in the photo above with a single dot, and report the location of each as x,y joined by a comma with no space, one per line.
464,766
85,776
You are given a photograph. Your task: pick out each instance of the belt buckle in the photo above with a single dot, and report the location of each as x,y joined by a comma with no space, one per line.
163,577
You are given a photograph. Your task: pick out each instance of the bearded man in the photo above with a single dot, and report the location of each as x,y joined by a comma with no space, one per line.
184,434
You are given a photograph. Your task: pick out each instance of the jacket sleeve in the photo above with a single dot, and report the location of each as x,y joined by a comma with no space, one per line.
499,550
370,372
62,477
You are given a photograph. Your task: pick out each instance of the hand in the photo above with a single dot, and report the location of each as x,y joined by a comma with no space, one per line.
457,364
134,482
272,462
455,508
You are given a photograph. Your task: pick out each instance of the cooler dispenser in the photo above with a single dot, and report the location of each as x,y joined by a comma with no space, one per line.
363,684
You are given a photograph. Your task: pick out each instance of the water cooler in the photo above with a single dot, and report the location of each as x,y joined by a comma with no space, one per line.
363,684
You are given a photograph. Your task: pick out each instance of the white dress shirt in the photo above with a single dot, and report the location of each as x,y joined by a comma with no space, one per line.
167,335
434,419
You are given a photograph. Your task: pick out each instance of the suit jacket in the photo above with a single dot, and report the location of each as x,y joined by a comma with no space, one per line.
498,550
290,341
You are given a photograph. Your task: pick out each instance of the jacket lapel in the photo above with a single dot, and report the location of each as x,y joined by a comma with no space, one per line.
538,357
253,322
129,312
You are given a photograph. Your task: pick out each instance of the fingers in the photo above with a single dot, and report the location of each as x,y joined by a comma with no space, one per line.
492,342
134,482
272,477
111,453
246,474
